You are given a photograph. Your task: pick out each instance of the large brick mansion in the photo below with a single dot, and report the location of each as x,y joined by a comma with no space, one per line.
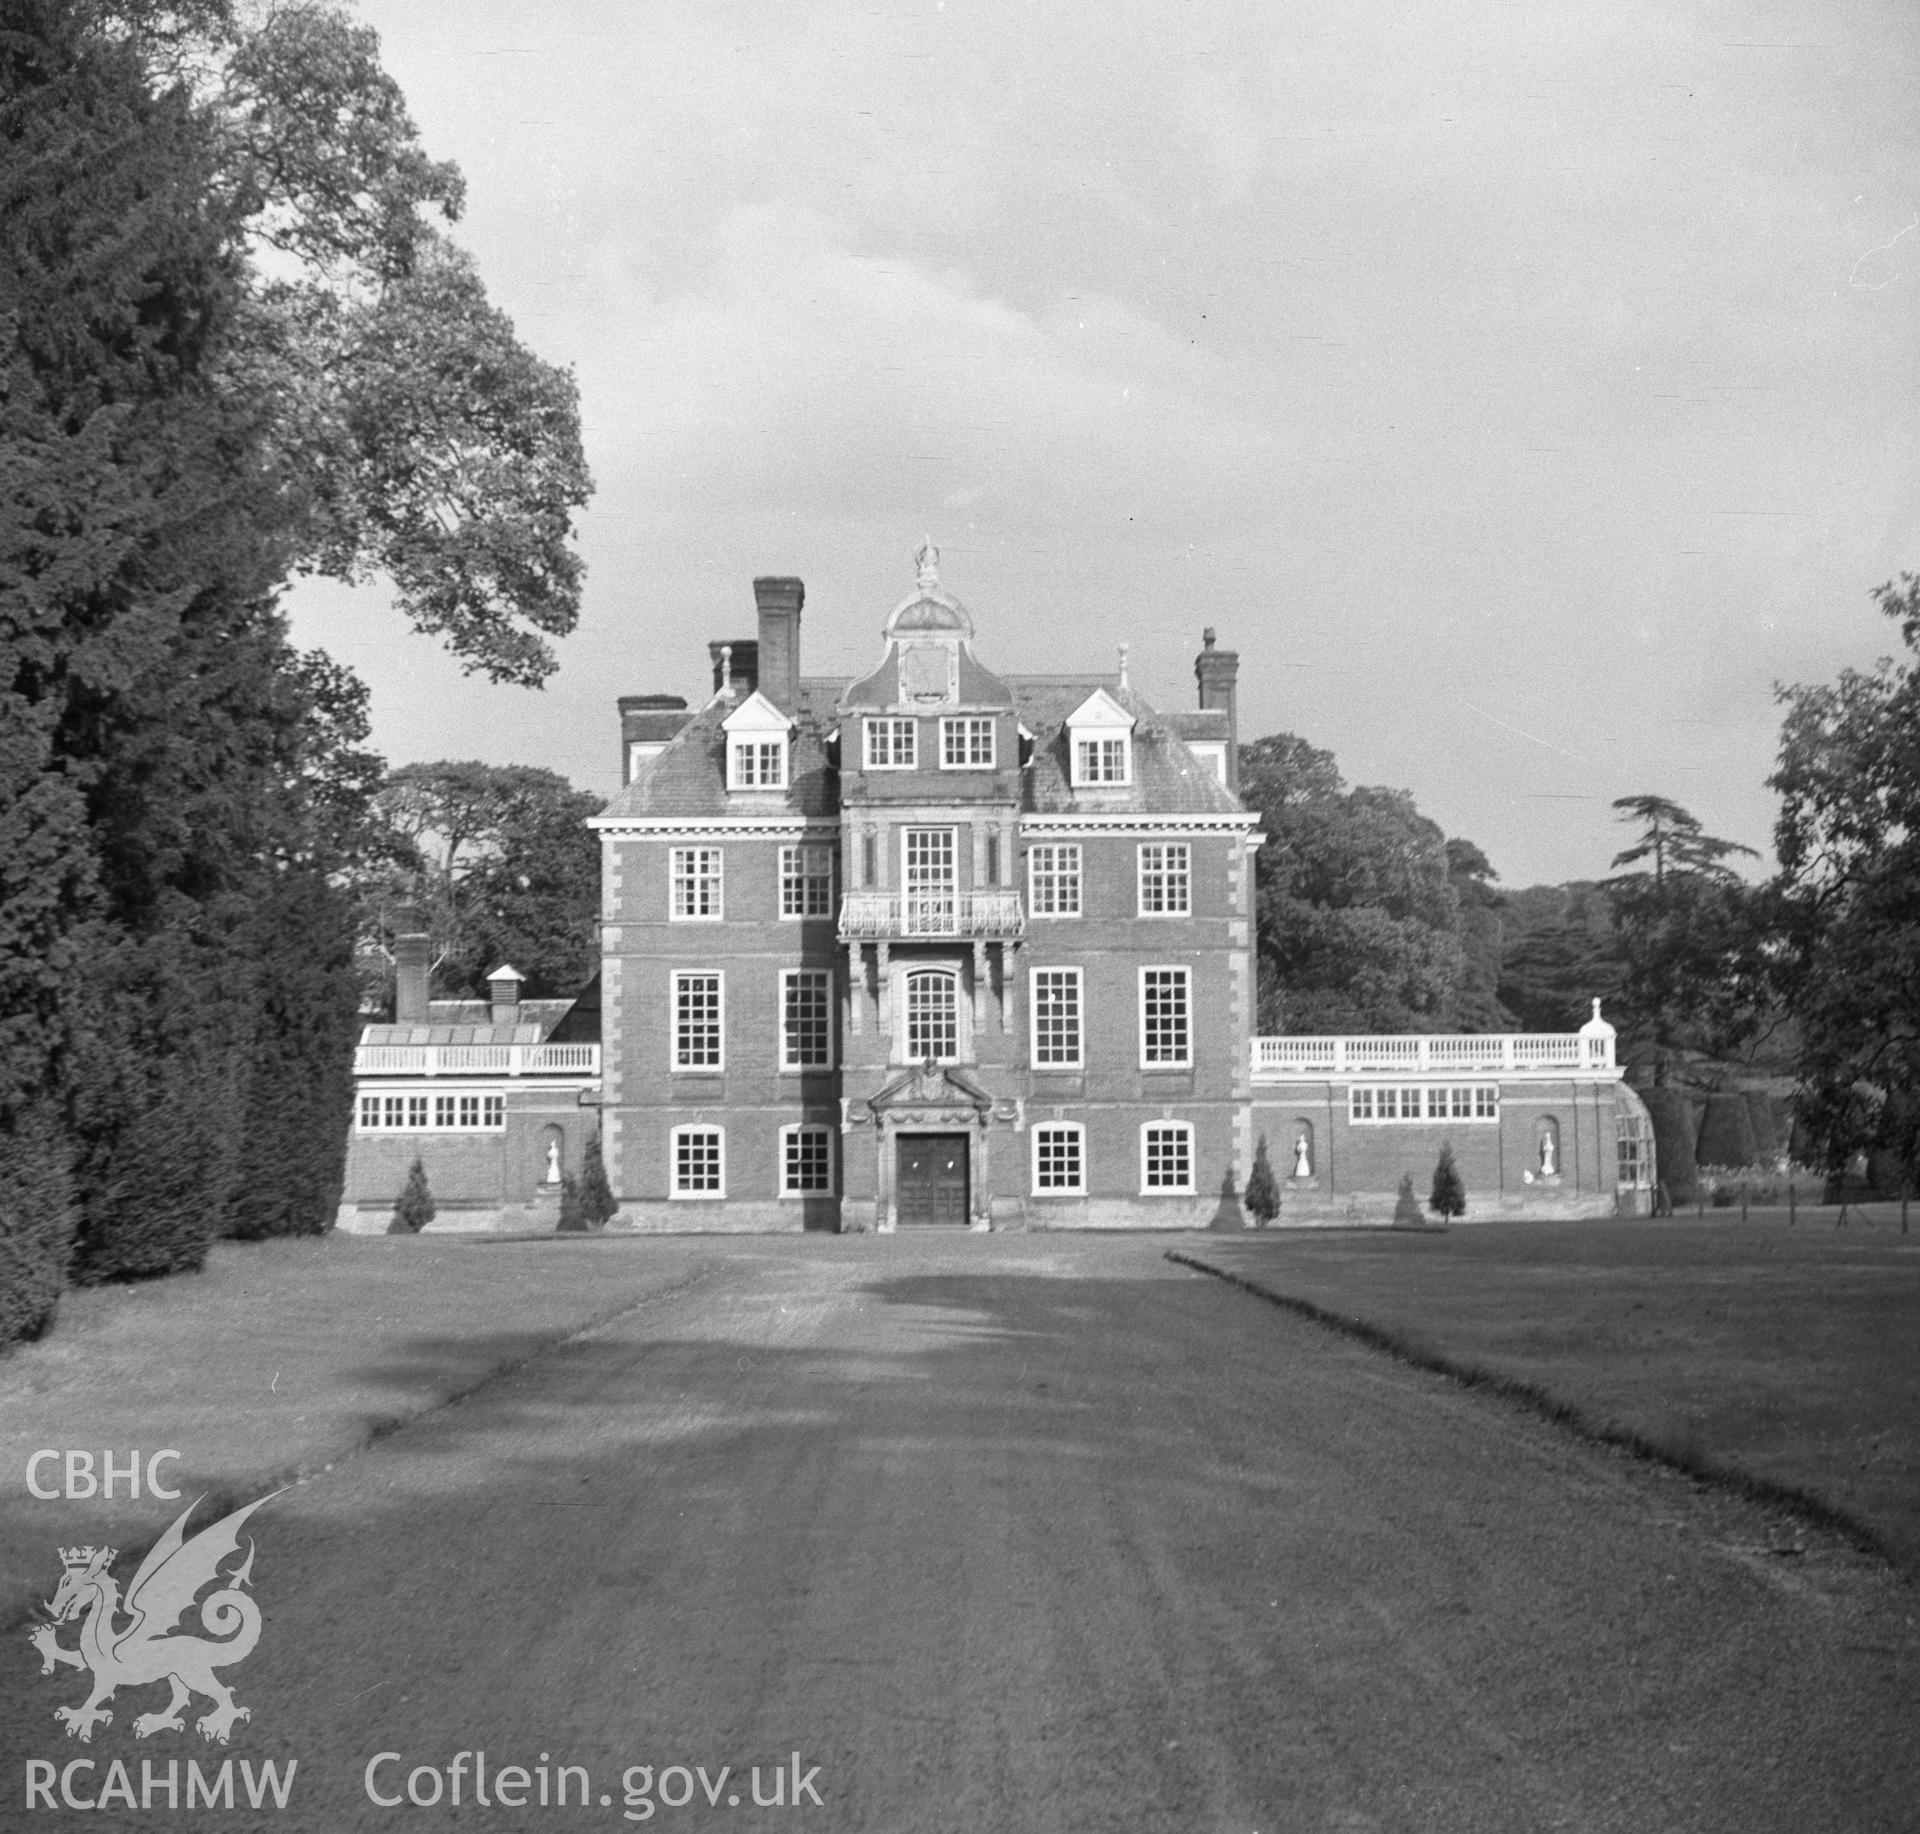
940,945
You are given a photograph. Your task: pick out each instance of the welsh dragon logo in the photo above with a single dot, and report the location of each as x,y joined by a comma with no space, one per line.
167,1584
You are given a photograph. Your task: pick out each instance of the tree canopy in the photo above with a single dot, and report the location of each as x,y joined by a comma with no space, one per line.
1848,840
1359,923
503,863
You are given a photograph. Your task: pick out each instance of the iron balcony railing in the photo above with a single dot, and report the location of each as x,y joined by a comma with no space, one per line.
885,916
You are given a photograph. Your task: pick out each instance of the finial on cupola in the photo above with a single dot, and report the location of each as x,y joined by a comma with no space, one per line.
726,668
926,561
1123,664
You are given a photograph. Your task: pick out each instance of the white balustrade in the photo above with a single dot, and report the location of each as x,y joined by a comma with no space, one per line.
1288,1057
477,1060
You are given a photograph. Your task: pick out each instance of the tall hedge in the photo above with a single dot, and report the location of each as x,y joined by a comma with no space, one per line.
1672,1116
1765,1122
1726,1132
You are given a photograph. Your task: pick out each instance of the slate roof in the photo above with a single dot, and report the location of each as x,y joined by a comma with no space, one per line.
1167,778
689,779
471,1022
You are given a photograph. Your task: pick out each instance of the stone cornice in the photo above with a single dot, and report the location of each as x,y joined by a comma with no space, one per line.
696,827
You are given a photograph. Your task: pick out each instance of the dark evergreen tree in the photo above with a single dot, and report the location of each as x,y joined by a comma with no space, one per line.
1726,1132
415,1208
573,1210
1263,1194
596,1194
1448,1197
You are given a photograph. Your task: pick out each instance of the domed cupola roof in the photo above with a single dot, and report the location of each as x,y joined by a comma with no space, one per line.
927,607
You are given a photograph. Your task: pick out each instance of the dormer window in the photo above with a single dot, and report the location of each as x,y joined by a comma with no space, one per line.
759,764
759,741
1100,732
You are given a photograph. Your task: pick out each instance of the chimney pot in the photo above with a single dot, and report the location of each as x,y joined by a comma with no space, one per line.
1217,672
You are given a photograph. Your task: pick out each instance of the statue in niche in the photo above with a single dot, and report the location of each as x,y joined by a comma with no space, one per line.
553,1162
1549,1154
1302,1155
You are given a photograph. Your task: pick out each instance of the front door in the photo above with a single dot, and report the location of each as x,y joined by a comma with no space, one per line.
932,1178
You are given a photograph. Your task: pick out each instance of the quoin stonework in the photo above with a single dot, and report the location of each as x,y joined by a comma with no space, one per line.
944,946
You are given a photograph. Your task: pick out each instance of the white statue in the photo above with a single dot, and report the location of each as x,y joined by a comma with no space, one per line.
553,1162
1302,1156
1547,1167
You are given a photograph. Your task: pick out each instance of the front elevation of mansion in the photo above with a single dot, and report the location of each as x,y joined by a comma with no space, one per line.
942,946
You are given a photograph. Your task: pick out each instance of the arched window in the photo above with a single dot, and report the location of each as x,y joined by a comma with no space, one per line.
933,1017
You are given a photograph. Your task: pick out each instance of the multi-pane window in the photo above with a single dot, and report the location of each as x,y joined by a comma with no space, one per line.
1414,1102
806,1159
759,764
1059,1158
806,880
806,1019
930,882
696,882
1098,760
1053,880
1166,877
933,1017
406,1113
890,744
1056,1018
1166,1156
1166,1036
697,1032
966,743
699,1162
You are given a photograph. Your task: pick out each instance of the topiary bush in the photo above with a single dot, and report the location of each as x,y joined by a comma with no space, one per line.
1262,1199
1672,1116
573,1212
415,1209
1449,1194
1406,1208
597,1200
1726,1132
1765,1123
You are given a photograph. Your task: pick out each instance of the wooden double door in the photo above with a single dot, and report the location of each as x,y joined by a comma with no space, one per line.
930,1179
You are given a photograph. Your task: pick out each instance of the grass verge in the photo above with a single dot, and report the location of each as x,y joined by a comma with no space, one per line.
279,1359
1776,1362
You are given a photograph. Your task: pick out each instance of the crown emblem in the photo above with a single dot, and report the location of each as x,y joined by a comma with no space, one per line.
77,1558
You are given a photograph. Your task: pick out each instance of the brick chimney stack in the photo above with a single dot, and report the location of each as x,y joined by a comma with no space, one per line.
1217,671
412,961
779,601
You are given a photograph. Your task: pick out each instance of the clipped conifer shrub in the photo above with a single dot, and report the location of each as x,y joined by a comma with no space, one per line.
1449,1194
1726,1132
597,1200
415,1208
573,1211
299,1087
36,1220
1765,1122
1262,1198
1406,1207
1672,1116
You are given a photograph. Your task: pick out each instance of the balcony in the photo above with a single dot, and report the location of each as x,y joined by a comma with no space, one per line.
1287,1058
477,1060
990,916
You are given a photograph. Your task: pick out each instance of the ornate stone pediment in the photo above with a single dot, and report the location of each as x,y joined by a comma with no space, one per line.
932,1095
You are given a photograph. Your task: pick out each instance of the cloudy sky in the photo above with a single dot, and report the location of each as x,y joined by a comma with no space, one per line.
1521,386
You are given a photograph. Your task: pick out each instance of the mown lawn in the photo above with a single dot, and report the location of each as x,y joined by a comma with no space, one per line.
281,1357
1788,1353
